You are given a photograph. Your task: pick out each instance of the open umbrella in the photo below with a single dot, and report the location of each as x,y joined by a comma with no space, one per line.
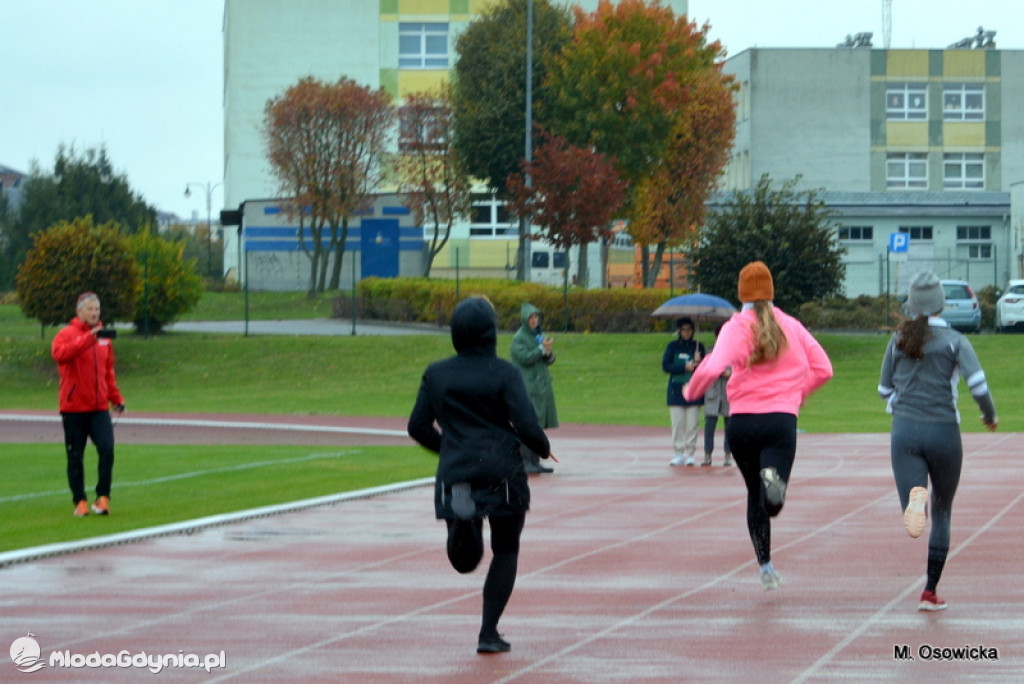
701,307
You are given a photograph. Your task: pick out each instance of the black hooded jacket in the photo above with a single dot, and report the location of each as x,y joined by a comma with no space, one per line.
480,403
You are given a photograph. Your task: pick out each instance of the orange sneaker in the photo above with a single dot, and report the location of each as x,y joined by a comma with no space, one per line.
82,509
101,506
914,517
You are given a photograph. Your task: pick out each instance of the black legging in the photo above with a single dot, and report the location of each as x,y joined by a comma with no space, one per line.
761,440
466,549
929,451
78,429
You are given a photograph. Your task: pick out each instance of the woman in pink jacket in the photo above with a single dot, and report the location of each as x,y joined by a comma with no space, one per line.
776,365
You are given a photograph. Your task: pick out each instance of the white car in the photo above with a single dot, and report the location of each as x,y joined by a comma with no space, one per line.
1010,307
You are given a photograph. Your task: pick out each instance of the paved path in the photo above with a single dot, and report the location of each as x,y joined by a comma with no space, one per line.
312,326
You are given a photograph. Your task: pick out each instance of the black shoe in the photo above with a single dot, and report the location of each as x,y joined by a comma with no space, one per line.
535,468
493,644
462,501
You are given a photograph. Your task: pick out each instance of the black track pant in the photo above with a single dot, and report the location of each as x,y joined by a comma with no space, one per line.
78,428
466,548
761,440
923,452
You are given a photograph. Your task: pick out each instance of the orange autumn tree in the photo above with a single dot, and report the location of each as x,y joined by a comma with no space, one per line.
432,177
669,208
326,143
572,196
633,82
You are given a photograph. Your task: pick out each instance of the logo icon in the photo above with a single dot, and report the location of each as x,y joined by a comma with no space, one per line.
25,654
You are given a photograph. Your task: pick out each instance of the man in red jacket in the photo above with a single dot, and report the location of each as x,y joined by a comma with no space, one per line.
85,362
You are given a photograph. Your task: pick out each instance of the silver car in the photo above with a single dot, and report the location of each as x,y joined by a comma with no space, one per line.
962,310
1010,307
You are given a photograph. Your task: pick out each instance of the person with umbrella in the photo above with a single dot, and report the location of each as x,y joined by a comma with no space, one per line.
776,365
680,360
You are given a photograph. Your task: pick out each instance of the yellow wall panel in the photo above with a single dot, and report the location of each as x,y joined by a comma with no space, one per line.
423,6
963,135
903,134
907,63
420,81
963,63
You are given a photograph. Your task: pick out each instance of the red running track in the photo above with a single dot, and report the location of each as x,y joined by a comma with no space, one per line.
631,571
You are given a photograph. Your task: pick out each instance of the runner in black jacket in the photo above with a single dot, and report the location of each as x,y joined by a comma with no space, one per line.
484,413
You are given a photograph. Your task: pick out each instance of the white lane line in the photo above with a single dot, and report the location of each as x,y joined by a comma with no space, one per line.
225,424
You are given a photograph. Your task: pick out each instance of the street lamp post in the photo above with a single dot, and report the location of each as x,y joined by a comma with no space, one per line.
209,187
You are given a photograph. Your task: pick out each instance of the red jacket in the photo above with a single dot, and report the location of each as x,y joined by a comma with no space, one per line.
86,367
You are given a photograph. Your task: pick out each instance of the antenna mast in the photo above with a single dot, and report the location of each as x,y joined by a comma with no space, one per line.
886,23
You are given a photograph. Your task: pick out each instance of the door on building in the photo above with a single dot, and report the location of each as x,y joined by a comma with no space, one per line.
379,245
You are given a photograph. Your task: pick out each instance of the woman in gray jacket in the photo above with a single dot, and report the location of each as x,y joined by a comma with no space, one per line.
919,373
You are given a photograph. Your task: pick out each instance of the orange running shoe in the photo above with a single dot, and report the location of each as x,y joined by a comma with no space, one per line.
82,509
101,506
915,516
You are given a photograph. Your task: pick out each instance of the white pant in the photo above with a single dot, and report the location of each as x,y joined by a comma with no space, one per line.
685,425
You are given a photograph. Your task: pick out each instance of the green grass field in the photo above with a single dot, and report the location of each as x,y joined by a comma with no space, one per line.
602,379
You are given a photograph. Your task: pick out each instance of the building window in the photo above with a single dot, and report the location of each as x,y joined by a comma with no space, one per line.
906,170
422,46
918,233
856,233
423,129
963,102
963,171
489,217
976,241
906,102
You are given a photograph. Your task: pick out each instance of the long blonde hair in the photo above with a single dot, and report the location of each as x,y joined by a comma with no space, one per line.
769,339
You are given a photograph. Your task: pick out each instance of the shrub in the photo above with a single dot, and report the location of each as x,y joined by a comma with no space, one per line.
170,284
74,257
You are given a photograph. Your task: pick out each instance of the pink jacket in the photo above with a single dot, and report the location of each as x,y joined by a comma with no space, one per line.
778,386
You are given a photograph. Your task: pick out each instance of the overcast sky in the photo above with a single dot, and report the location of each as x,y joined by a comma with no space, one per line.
144,77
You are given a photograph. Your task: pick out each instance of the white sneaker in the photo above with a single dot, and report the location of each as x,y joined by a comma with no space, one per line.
915,517
690,461
678,460
770,580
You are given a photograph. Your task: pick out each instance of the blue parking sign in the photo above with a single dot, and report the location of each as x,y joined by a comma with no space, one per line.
899,242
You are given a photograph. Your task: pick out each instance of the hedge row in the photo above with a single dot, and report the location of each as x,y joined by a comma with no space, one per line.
432,301
611,310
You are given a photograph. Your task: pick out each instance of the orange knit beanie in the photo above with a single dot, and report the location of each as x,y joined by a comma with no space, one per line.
756,283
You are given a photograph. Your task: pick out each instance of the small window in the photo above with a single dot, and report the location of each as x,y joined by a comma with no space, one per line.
918,233
906,102
963,171
489,217
963,102
539,259
856,233
973,233
422,46
423,130
906,170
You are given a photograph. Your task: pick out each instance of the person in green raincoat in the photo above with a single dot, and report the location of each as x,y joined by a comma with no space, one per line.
532,354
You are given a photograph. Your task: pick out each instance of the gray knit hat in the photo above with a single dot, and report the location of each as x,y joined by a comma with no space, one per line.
925,297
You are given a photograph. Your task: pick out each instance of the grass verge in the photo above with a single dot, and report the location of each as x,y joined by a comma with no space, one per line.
157,485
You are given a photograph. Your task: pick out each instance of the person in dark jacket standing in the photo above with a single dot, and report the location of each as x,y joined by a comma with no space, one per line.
480,403
88,387
918,382
681,358
532,353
